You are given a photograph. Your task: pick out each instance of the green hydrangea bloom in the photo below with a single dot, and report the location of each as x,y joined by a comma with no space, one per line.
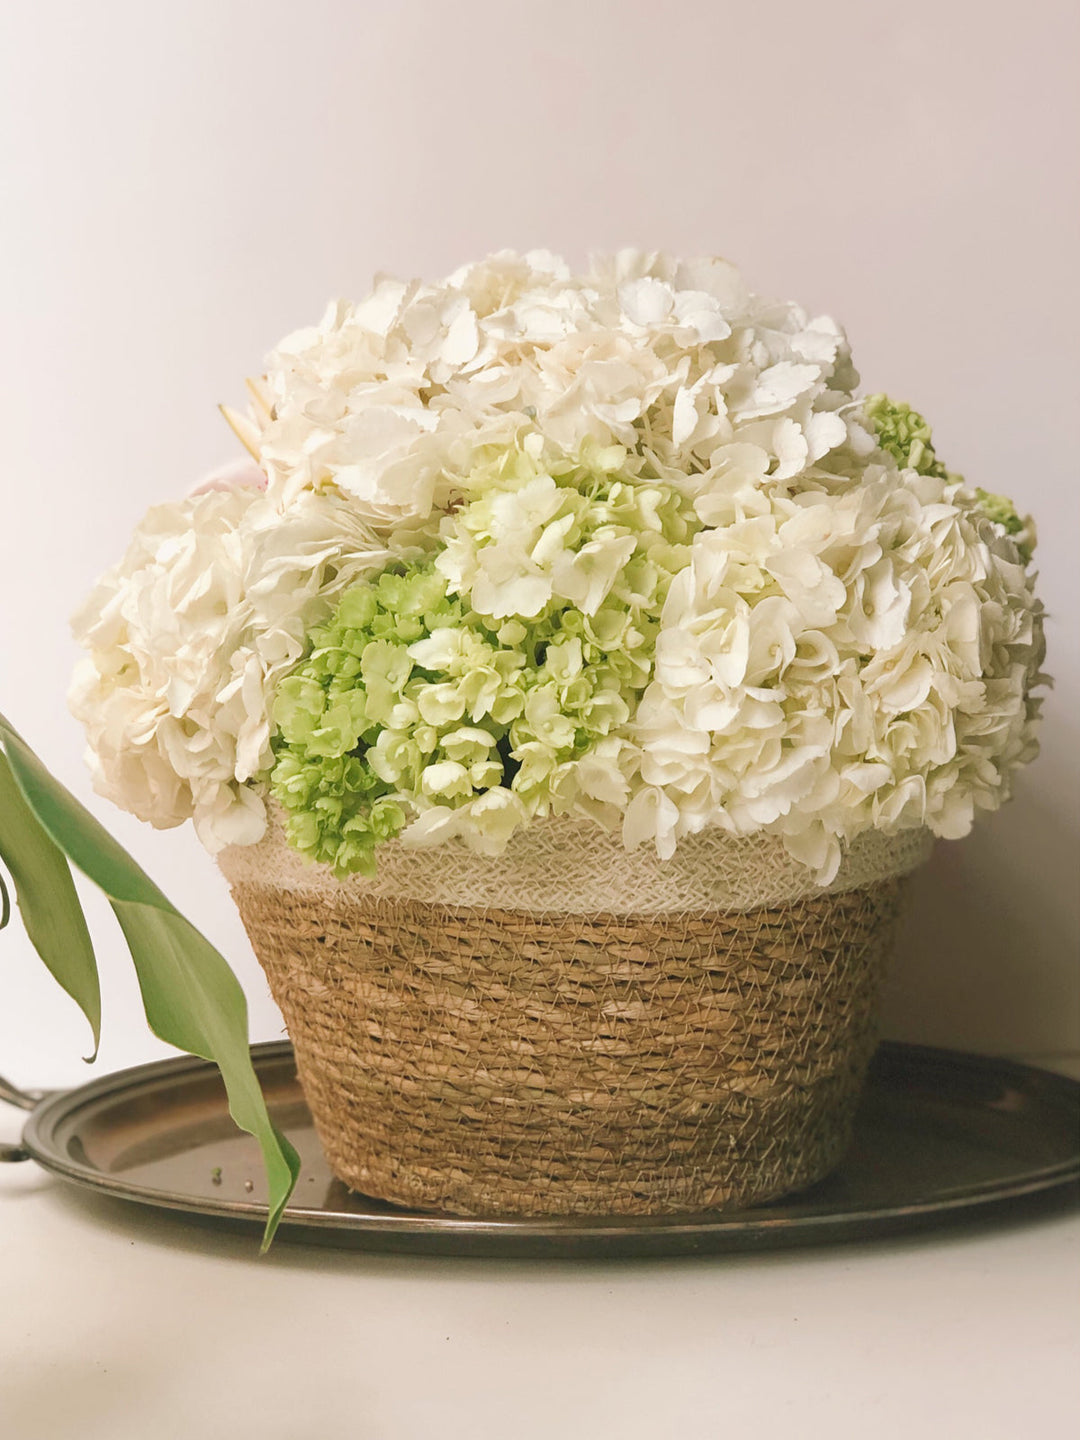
446,680
904,433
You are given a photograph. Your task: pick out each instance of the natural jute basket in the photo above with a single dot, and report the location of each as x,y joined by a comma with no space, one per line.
674,1049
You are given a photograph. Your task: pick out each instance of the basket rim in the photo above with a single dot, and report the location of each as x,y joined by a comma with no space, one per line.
573,865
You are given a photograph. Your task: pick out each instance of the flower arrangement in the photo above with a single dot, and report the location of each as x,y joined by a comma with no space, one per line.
624,546
613,659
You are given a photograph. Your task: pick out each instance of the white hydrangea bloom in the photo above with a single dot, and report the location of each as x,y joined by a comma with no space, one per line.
388,400
855,657
188,637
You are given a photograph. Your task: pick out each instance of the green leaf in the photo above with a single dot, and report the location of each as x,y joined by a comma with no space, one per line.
193,1000
85,841
47,899
191,997
5,904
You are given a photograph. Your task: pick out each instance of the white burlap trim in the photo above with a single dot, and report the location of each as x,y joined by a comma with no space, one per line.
573,866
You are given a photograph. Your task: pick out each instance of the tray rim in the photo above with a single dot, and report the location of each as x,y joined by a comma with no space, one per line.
786,1221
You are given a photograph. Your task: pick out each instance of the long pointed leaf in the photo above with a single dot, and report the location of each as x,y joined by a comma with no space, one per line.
191,997
47,900
5,904
85,841
193,1000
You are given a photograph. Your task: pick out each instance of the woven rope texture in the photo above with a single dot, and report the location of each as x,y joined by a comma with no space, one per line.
491,1061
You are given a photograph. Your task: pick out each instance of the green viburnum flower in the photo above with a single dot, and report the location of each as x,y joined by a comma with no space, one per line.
1001,510
904,433
474,687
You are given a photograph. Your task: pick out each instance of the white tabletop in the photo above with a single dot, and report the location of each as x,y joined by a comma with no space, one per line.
121,1323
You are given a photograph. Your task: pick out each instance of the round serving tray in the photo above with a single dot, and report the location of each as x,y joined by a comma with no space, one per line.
940,1135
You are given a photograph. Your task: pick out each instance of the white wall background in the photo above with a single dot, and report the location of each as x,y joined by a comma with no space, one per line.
183,184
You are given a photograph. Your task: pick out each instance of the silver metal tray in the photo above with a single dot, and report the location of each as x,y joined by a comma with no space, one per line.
940,1136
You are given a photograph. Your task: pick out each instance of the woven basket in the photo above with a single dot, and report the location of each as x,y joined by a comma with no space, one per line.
673,1049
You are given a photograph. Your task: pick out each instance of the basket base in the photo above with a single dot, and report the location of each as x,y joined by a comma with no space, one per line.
676,1184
